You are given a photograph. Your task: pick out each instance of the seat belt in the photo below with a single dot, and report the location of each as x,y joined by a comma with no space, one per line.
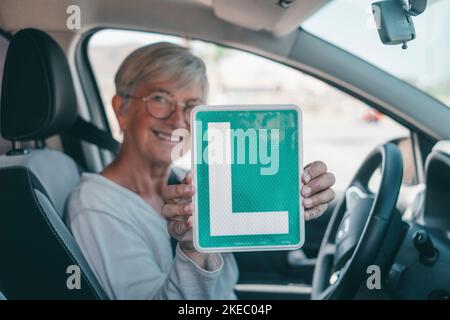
173,179
88,132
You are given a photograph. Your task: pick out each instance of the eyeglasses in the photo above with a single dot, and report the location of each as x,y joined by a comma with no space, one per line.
161,105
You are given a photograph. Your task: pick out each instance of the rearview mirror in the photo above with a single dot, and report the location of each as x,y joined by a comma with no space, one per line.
394,20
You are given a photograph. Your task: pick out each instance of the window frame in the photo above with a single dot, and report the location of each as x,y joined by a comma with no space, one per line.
7,36
99,117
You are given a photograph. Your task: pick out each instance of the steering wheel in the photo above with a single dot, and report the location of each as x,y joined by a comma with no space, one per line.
358,227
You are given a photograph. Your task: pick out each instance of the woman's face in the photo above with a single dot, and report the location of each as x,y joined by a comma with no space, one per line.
144,130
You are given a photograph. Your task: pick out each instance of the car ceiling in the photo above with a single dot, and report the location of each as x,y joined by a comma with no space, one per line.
257,15
189,18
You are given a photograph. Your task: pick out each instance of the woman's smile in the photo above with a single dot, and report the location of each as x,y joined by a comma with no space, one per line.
166,137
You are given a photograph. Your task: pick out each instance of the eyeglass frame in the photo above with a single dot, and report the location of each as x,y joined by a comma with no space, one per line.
174,103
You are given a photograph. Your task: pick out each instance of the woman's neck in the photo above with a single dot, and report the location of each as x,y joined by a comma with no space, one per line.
132,172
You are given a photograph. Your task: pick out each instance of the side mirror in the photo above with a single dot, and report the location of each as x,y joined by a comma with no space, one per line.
394,20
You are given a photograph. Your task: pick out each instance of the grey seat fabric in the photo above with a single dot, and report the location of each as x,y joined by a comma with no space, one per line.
57,172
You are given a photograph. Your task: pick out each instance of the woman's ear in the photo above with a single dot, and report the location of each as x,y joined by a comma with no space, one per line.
118,106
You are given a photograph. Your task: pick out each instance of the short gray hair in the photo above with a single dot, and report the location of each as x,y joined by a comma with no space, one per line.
159,62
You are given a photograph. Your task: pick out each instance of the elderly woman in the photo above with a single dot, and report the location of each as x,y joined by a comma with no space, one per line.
124,218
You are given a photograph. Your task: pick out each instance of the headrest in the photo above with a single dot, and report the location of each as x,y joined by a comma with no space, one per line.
38,97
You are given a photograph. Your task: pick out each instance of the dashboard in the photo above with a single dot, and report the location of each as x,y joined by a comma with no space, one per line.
421,267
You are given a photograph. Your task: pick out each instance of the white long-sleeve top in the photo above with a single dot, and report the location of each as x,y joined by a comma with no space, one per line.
126,243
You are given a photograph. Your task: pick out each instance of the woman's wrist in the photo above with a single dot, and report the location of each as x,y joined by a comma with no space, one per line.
199,258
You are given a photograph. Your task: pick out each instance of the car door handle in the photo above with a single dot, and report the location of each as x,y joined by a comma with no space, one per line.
297,258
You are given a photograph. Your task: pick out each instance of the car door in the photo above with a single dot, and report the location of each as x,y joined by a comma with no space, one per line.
282,274
337,129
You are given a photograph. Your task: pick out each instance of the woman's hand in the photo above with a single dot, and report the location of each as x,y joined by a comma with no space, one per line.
316,190
178,211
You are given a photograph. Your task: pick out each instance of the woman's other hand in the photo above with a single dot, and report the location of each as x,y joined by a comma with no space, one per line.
316,190
178,211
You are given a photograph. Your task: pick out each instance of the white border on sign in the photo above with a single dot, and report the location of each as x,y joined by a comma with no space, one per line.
276,107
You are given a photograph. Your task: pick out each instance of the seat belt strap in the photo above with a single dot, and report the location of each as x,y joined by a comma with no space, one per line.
88,132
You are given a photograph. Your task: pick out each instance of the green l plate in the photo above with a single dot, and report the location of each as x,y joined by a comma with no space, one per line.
247,164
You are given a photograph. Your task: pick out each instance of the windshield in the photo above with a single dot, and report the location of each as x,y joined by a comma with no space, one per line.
349,25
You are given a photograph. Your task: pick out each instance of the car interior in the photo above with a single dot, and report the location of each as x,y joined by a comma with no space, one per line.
54,126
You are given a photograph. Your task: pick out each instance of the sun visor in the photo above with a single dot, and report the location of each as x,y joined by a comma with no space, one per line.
279,17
